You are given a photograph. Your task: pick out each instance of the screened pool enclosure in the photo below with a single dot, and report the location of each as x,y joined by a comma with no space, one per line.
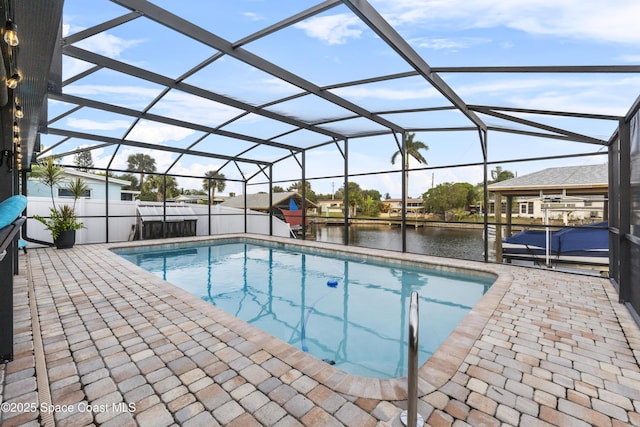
319,95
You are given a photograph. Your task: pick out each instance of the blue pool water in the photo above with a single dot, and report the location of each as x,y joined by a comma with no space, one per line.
360,323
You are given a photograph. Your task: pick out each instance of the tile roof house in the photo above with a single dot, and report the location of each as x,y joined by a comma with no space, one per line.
260,201
570,181
569,193
286,206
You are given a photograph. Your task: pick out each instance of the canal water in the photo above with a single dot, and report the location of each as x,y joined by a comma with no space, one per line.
461,243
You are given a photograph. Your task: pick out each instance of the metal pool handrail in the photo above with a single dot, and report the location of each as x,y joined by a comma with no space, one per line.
410,417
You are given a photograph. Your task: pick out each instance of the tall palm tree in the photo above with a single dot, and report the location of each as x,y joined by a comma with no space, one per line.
141,163
413,150
213,181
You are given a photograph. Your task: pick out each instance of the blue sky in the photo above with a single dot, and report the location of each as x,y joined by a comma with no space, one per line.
335,47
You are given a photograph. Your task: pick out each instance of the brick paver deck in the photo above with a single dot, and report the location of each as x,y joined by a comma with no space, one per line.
101,342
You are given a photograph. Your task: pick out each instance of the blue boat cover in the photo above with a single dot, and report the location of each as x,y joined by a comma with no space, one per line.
567,240
292,205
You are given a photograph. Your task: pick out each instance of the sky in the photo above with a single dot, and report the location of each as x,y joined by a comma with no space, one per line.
334,47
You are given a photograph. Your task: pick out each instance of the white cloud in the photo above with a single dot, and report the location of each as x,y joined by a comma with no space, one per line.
144,131
102,43
332,29
631,58
253,16
579,19
448,44
183,106
73,66
581,95
158,133
175,104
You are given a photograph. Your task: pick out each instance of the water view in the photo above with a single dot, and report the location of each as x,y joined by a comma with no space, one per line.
461,243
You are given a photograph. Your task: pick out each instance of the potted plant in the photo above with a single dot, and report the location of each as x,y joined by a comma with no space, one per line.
62,221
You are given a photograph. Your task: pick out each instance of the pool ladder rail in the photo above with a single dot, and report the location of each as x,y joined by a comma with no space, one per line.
410,417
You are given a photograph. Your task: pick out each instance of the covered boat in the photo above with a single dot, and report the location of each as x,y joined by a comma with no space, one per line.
588,244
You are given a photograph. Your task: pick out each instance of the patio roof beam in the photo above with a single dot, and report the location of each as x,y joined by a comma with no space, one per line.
305,14
201,35
84,34
148,146
80,150
162,119
372,80
81,75
46,150
540,134
483,108
418,110
161,80
445,129
571,135
193,144
382,28
543,69
65,114
243,152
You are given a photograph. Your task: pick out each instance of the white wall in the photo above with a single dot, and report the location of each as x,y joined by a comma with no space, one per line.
122,216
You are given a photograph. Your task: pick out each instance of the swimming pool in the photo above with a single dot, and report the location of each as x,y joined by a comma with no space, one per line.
348,311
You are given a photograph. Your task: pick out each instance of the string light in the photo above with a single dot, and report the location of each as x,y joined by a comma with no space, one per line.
13,81
11,33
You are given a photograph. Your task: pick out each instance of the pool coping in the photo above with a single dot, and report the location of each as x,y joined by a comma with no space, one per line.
433,374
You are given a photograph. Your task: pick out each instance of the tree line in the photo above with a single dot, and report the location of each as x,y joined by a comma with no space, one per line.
445,197
154,187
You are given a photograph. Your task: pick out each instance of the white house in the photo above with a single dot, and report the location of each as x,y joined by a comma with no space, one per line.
415,207
98,187
330,207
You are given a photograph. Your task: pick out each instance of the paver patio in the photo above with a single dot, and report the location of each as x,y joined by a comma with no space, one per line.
101,342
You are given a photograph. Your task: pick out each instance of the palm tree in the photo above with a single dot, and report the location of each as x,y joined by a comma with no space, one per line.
78,188
413,150
157,183
309,193
50,174
213,181
498,174
140,162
